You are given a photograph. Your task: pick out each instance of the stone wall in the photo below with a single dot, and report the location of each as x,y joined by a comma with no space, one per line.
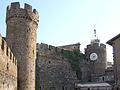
85,77
8,67
53,71
71,47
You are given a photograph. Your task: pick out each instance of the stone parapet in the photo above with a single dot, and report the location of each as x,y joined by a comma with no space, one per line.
49,50
14,11
8,67
5,51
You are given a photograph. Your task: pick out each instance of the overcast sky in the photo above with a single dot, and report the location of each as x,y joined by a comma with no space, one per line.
65,22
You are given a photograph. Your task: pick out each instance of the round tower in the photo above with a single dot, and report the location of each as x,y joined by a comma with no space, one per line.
22,24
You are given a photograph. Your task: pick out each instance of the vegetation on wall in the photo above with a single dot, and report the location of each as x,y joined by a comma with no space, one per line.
75,58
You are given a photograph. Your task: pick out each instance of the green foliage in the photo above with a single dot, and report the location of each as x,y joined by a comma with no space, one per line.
75,58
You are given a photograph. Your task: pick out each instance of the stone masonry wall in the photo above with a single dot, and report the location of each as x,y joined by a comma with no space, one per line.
71,47
8,67
53,72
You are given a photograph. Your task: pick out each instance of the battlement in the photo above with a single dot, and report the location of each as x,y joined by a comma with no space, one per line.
49,52
48,49
96,45
14,11
6,52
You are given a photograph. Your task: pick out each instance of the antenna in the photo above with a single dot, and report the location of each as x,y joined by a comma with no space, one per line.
95,32
95,37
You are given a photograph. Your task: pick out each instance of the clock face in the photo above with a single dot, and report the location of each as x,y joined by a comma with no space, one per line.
93,56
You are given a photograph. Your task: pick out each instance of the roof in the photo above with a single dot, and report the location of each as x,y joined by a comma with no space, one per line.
104,84
114,38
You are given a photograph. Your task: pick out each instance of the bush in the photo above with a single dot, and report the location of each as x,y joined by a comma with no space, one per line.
75,58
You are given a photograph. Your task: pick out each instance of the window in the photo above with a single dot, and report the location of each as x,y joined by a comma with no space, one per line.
62,87
103,78
39,88
49,62
117,88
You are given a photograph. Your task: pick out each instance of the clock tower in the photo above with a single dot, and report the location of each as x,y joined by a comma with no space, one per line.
95,62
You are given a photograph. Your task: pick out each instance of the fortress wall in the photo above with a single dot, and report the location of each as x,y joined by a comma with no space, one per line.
71,47
53,71
49,50
8,67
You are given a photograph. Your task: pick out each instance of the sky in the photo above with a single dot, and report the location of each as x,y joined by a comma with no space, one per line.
63,22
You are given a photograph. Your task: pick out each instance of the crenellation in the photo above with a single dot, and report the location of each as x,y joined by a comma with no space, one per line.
102,45
4,46
59,50
8,7
35,11
8,69
28,7
49,49
52,48
44,46
14,11
6,50
15,5
11,56
96,45
88,46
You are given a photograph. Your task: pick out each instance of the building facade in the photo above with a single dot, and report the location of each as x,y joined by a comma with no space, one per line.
115,43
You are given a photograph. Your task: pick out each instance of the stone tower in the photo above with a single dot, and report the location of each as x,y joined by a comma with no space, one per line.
22,24
96,59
